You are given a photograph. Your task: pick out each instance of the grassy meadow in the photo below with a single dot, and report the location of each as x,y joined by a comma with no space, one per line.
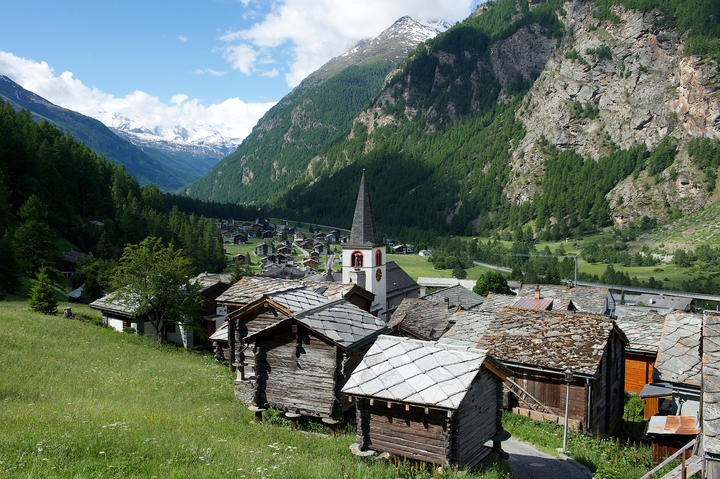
82,401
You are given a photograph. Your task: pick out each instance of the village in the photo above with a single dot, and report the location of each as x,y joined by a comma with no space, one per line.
424,372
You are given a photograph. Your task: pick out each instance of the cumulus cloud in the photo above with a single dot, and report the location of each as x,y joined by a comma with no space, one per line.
183,38
232,118
316,30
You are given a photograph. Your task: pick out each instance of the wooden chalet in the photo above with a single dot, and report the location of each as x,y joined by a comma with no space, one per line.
675,388
286,250
211,286
263,249
643,330
310,263
421,319
538,347
300,349
252,288
427,401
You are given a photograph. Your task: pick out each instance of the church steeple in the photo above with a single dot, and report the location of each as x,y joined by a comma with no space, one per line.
363,226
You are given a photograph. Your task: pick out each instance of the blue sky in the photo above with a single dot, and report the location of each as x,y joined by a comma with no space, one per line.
214,64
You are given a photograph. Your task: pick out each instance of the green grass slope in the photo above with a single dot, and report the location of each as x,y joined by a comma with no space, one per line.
82,401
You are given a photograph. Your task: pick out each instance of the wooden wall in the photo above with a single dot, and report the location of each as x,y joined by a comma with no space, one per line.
551,390
412,434
608,390
478,418
249,324
296,371
638,370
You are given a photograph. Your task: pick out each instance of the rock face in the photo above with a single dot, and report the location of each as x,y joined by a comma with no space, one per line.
618,84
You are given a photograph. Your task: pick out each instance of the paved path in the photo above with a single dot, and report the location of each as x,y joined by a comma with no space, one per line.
527,462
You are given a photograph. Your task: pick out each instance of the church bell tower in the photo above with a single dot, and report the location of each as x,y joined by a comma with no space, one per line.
363,257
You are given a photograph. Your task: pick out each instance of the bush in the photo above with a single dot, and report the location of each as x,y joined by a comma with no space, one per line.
42,297
491,282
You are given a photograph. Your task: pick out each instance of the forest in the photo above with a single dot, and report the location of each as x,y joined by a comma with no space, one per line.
56,194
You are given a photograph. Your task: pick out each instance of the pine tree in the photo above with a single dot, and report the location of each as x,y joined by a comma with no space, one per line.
42,297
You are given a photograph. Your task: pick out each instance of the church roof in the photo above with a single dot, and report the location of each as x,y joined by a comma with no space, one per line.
363,226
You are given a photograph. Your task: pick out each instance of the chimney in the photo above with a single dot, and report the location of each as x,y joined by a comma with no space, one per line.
537,292
447,302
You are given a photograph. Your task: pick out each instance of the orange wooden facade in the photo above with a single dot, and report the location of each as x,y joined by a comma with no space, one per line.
638,370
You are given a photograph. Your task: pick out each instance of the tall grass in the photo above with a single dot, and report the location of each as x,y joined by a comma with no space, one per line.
81,401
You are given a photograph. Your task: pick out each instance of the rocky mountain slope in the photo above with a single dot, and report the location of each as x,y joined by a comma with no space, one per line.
562,116
316,113
141,165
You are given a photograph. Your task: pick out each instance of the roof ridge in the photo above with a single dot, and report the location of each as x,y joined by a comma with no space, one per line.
312,309
435,344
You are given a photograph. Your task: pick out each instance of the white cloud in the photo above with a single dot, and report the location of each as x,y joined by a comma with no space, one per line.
232,118
317,30
183,38
208,71
241,57
270,73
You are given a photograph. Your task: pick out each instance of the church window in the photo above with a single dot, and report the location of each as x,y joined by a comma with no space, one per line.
378,257
356,259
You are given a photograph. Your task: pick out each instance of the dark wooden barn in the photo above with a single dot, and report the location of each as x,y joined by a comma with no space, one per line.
539,346
426,401
300,363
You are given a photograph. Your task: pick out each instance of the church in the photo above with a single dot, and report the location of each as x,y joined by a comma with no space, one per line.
364,261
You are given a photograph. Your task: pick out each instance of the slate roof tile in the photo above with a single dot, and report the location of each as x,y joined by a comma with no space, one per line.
678,358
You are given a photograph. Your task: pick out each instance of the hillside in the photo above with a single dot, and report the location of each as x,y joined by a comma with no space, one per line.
316,113
144,167
565,117
98,403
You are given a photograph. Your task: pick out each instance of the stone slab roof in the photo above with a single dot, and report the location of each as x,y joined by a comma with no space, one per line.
398,281
711,383
208,280
549,339
299,299
113,302
251,288
469,327
342,322
678,358
422,319
457,296
665,302
587,299
417,372
495,302
642,328
221,333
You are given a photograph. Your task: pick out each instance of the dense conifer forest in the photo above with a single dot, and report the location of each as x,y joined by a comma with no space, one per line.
56,194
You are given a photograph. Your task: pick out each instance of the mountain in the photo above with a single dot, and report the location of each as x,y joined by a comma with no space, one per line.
315,114
565,117
189,155
145,166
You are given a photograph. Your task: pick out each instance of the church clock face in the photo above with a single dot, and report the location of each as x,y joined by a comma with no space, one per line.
378,274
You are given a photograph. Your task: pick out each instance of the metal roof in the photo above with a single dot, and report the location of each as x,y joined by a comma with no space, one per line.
417,372
665,302
678,358
711,383
542,304
674,425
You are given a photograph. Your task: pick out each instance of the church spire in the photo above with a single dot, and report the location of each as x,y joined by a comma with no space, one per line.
363,225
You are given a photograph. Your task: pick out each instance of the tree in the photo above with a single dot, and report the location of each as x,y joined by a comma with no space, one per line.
34,239
492,282
42,297
156,279
459,272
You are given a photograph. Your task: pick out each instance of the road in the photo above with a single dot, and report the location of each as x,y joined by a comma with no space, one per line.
526,462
